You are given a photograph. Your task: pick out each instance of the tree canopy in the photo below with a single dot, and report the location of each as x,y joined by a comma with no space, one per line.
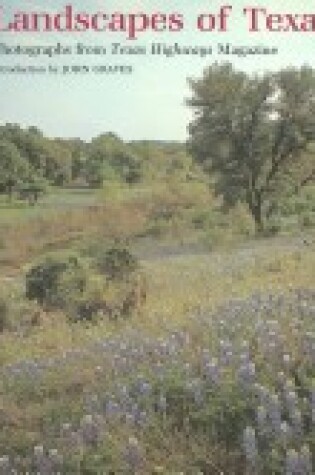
255,134
14,169
30,160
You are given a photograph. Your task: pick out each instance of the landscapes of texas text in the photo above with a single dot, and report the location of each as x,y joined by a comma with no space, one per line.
68,19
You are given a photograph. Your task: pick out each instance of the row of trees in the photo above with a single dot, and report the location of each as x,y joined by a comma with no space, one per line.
253,134
29,160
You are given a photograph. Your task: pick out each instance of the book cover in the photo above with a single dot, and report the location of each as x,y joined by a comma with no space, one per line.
157,216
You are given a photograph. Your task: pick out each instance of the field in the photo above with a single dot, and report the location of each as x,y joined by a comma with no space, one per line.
214,374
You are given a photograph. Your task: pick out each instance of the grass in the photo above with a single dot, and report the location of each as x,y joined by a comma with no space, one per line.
187,284
56,198
120,214
192,270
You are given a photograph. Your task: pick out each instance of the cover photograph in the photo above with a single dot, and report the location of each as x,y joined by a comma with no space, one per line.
157,237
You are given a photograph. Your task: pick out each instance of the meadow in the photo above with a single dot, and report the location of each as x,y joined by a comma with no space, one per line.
213,375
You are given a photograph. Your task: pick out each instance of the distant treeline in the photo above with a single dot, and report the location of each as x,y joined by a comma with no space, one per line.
29,160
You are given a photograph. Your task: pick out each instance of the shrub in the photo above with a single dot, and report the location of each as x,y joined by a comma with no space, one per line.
117,263
273,226
112,300
307,220
56,281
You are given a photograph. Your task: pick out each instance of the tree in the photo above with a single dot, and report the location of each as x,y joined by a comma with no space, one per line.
109,158
50,158
14,168
56,280
117,263
33,189
255,134
77,149
58,162
94,172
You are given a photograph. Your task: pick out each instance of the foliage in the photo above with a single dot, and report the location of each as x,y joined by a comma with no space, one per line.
164,161
106,158
13,167
56,281
32,189
117,263
65,282
45,157
118,291
176,390
110,300
255,134
109,159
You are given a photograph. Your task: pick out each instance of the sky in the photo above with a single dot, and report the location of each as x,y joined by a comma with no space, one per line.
150,103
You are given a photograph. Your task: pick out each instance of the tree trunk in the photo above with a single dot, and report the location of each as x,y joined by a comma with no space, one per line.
255,206
258,218
10,193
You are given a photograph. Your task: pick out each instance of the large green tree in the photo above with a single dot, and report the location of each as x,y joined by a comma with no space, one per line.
254,134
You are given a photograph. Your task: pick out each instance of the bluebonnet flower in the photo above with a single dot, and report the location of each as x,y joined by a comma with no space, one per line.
247,373
274,412
55,458
313,403
123,395
41,461
111,408
281,379
161,404
286,360
92,403
205,356
212,371
65,429
305,461
4,464
144,388
142,418
262,419
159,371
195,387
296,418
38,451
130,419
245,347
263,394
226,348
250,446
292,462
90,430
133,454
291,400
285,433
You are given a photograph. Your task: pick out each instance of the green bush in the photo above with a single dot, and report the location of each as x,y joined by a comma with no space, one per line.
273,226
202,219
111,299
117,263
307,220
56,281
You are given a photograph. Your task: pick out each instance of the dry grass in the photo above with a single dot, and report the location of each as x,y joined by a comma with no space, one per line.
178,286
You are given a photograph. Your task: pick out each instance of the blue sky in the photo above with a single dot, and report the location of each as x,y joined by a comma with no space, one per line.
150,103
